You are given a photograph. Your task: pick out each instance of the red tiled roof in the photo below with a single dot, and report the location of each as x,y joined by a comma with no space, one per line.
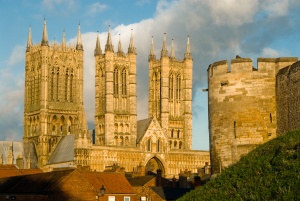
7,166
11,170
114,183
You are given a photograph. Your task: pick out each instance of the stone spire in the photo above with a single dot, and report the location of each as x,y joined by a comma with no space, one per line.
164,51
63,42
120,49
29,40
79,42
45,35
172,50
152,55
188,54
109,46
131,48
97,50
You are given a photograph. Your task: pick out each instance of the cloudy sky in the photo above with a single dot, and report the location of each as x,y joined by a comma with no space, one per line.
218,30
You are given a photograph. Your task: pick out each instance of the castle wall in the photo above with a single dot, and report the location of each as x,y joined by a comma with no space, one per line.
242,107
287,98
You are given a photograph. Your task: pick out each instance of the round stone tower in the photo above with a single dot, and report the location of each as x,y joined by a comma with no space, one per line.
242,107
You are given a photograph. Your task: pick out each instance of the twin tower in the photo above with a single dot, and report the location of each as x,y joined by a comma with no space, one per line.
54,96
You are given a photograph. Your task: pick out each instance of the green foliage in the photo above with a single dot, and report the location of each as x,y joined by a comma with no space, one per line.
270,172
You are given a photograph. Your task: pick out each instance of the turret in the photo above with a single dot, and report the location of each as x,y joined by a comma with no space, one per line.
97,50
45,35
63,42
131,48
79,42
29,40
188,54
172,50
109,46
152,55
120,49
164,51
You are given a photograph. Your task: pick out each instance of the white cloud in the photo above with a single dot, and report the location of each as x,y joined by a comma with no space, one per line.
96,8
232,12
17,55
269,52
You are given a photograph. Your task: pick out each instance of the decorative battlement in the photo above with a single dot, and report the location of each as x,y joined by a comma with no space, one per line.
53,45
245,65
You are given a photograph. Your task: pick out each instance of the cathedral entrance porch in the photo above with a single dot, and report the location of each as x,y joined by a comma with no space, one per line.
153,165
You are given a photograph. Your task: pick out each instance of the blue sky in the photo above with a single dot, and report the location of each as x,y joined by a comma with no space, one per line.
218,30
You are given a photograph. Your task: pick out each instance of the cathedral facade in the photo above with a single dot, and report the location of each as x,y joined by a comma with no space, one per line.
55,127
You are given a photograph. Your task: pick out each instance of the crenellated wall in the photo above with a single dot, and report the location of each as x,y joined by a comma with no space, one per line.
242,107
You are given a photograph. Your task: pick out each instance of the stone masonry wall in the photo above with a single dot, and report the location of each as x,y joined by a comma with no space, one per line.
288,95
242,107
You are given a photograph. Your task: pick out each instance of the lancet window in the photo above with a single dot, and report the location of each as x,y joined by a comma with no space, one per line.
116,81
124,91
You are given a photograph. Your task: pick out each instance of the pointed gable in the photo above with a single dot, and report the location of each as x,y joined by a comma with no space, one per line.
150,128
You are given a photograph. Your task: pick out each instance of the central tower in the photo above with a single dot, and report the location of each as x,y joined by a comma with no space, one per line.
115,118
170,94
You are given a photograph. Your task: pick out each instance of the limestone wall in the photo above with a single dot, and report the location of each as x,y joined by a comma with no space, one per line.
288,95
134,160
242,107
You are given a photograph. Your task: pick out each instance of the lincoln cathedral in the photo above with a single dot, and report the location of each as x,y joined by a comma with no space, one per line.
56,134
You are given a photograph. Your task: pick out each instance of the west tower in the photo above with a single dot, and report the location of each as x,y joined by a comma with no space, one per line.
170,94
53,93
115,88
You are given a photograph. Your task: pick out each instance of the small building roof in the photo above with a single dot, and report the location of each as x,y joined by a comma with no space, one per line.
12,170
64,152
167,193
140,181
51,182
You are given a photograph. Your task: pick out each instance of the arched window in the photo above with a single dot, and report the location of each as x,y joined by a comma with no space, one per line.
57,84
180,145
66,84
171,83
71,86
158,146
178,87
116,128
52,85
121,141
178,134
116,140
126,141
149,145
124,91
172,133
116,81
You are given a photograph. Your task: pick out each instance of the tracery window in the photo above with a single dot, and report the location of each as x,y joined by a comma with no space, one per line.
124,91
116,81
171,83
71,85
178,87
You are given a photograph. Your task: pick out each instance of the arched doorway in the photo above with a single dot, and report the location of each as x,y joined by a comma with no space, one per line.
153,165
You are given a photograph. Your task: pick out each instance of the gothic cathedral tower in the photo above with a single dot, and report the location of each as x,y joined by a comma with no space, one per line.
115,80
170,94
53,94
